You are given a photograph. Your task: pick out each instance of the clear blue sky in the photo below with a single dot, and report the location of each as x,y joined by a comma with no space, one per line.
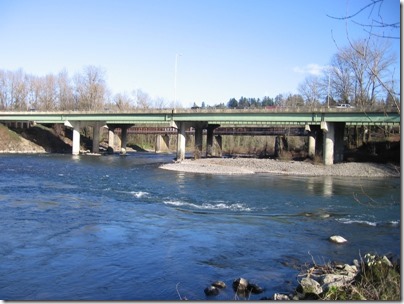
230,48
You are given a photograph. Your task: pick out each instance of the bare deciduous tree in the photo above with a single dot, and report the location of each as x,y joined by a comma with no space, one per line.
361,72
65,92
143,100
311,90
378,25
90,89
123,102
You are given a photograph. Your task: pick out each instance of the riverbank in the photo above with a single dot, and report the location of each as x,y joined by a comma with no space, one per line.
229,166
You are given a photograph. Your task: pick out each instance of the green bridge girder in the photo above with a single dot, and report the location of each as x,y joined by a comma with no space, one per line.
222,117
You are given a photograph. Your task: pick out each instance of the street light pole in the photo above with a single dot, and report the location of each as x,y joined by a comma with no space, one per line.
175,79
328,94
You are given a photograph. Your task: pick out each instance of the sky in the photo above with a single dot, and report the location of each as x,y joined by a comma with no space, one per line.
193,51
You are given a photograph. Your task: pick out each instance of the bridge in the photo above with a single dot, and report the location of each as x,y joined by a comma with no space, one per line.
319,122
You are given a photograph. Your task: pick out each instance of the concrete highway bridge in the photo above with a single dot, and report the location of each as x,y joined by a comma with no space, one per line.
329,124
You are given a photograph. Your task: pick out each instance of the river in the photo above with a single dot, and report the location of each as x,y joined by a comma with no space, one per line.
120,228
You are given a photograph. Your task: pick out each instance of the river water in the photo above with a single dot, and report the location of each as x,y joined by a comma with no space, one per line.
120,228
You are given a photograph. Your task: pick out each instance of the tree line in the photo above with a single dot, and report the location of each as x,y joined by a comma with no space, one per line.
84,91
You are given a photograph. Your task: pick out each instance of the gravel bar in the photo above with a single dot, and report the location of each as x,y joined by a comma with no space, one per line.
229,166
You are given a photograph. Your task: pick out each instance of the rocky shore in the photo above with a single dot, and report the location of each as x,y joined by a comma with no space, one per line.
229,166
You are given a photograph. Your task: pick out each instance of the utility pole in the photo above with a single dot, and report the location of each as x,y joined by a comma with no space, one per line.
175,78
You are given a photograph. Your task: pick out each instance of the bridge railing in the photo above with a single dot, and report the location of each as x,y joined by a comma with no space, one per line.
303,109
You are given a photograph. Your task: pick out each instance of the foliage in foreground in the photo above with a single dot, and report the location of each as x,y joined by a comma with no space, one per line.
378,279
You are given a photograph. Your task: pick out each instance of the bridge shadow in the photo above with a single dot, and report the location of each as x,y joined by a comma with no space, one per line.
44,137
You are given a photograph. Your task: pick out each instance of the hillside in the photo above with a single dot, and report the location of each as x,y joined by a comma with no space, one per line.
37,139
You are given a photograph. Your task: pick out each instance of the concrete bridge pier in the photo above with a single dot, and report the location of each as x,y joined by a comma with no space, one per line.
162,143
96,135
313,133
220,144
114,142
75,125
209,139
124,138
118,142
199,126
181,126
333,149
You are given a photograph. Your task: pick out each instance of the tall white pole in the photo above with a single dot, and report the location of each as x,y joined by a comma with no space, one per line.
175,79
328,94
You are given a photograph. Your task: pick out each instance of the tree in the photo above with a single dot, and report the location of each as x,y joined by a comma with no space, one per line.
266,101
90,89
294,100
378,23
311,89
243,103
232,103
362,71
142,99
123,102
279,100
65,91
18,90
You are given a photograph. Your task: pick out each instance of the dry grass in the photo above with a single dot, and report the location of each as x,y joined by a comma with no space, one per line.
377,281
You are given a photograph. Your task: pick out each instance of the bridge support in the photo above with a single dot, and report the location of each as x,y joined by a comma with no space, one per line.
76,139
209,140
75,125
181,141
96,136
313,133
220,144
333,150
162,143
124,139
114,141
199,126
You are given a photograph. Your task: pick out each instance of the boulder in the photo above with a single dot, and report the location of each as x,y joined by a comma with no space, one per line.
254,288
281,297
338,239
240,284
337,280
211,291
310,286
219,284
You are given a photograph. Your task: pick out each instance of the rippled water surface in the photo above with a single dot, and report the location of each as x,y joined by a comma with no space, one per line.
120,228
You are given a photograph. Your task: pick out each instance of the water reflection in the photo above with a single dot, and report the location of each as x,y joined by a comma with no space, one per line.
323,187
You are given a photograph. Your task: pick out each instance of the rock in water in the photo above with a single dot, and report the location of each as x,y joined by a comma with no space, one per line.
337,239
211,291
254,288
240,284
219,284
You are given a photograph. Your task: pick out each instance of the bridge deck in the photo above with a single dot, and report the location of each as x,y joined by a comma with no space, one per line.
222,117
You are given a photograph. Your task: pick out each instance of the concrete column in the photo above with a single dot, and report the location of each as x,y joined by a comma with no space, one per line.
209,139
198,142
75,125
124,139
312,144
162,143
76,139
111,139
339,146
220,144
313,131
329,136
96,137
181,141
